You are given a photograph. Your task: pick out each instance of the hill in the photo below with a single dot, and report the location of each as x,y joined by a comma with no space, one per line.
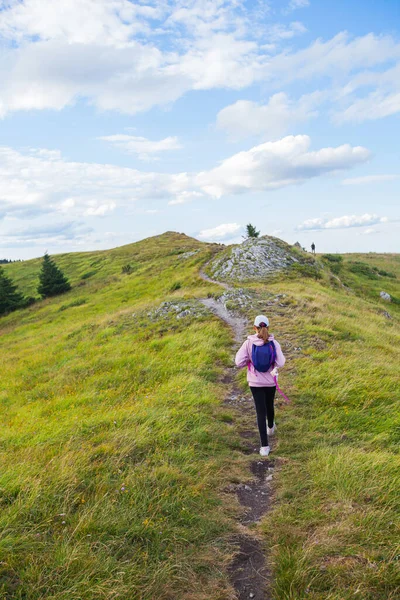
116,448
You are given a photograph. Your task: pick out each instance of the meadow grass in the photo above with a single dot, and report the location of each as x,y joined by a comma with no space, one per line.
334,528
113,444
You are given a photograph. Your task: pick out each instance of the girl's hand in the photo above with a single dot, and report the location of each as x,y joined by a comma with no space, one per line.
274,372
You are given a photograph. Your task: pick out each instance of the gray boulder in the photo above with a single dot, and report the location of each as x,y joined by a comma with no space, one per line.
385,296
254,259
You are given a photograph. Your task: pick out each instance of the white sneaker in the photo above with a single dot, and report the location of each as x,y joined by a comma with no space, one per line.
264,450
271,430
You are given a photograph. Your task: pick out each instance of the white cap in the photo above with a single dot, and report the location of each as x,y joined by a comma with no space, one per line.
261,320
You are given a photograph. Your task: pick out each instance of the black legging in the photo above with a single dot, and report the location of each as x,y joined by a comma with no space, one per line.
264,402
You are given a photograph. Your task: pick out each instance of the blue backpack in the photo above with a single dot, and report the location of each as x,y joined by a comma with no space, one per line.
263,357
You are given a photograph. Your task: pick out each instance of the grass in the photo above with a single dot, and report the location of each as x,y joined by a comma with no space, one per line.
334,528
112,449
114,445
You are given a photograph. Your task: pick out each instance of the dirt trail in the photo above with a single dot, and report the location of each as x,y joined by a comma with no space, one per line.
248,572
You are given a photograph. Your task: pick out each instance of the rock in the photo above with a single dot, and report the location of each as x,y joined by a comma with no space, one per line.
187,254
251,595
386,314
183,314
385,296
247,488
298,245
269,478
254,259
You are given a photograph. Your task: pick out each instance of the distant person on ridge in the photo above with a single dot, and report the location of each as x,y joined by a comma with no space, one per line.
313,248
262,355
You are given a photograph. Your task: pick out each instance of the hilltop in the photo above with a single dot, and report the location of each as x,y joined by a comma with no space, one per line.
121,464
255,259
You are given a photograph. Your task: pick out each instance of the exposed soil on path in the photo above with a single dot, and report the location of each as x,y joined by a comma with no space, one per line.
248,571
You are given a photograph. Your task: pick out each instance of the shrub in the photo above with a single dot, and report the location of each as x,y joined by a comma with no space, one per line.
333,258
88,274
306,271
383,273
77,302
360,268
335,268
127,269
29,301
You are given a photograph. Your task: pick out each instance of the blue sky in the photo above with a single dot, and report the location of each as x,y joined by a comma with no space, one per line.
120,120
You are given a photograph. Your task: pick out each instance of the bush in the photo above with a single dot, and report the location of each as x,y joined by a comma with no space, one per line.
88,274
77,302
333,258
383,273
175,286
335,268
29,301
127,269
306,271
360,268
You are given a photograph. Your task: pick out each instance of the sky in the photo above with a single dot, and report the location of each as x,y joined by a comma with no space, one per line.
121,119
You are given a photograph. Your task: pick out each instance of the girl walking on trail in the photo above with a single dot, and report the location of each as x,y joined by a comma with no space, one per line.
263,356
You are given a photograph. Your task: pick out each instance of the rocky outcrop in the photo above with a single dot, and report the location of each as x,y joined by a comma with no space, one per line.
254,259
385,296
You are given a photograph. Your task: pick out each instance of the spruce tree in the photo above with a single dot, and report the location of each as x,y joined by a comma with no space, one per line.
10,298
251,231
52,280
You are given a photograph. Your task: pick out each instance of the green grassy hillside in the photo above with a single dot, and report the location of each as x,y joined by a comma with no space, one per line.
114,446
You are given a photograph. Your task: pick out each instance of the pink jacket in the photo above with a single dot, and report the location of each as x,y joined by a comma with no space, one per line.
243,359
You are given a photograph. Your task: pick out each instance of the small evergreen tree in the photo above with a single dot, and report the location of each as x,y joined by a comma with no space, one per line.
10,298
251,231
52,280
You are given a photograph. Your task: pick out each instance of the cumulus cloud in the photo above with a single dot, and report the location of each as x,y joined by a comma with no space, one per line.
35,184
346,221
110,54
270,120
277,164
53,234
42,182
225,231
144,149
367,179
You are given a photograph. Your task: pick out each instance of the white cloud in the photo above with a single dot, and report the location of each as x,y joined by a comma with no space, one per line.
42,182
336,58
185,197
345,222
367,179
269,120
111,53
278,32
277,164
31,185
128,57
369,231
53,234
144,148
226,231
113,22
295,5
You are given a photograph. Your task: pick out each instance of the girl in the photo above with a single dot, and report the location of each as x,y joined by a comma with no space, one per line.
262,383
